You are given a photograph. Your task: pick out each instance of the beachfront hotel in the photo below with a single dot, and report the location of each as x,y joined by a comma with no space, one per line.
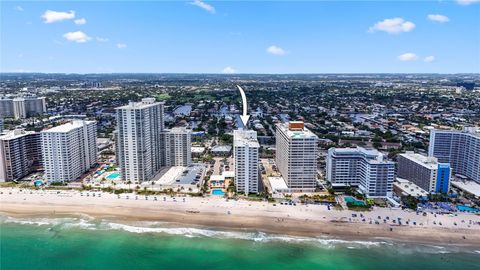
459,148
366,169
178,147
20,154
425,172
245,153
69,150
139,146
296,156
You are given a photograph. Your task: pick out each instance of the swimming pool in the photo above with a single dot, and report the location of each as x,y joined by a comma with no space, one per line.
465,208
218,192
354,201
113,176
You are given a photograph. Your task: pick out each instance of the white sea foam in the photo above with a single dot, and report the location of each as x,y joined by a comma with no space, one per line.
90,223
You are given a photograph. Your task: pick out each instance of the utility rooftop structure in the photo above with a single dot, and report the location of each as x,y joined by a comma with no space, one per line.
296,156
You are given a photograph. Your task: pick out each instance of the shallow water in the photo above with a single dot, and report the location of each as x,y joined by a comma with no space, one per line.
86,243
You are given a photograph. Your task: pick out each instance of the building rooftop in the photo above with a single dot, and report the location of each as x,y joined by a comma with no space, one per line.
222,148
468,186
13,134
409,188
372,155
181,130
67,127
277,183
145,103
474,131
245,138
296,130
428,162
198,149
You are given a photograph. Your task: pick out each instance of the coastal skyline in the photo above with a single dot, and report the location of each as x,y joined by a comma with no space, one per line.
228,36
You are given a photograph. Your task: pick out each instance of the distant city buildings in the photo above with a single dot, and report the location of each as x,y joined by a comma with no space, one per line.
178,147
246,148
69,150
360,167
20,154
22,107
296,156
425,172
139,139
459,148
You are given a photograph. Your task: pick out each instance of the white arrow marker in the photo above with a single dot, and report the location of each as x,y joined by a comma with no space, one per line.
244,117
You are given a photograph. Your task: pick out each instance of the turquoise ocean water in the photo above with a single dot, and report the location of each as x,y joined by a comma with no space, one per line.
85,243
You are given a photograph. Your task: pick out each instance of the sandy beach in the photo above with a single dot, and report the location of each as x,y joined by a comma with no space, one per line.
212,212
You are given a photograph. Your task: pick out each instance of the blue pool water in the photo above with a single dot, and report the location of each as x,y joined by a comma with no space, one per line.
467,209
218,192
113,176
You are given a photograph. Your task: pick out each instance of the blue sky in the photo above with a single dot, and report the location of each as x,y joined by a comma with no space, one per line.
240,36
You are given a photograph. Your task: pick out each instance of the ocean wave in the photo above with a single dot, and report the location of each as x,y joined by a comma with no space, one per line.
83,222
89,223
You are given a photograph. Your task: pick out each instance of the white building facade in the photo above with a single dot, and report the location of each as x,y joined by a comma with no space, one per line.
296,156
245,153
459,148
178,147
22,107
69,150
366,169
425,172
139,145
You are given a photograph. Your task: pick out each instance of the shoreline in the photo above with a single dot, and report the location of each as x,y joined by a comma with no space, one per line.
244,216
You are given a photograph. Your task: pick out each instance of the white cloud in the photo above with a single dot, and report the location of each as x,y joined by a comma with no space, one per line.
438,18
429,59
78,36
51,16
100,39
393,26
80,21
203,5
121,45
19,8
229,70
408,57
275,50
467,2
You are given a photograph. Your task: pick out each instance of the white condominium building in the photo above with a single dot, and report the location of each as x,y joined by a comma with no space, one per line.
296,156
22,107
425,172
245,153
20,154
459,148
69,150
178,147
360,167
139,141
